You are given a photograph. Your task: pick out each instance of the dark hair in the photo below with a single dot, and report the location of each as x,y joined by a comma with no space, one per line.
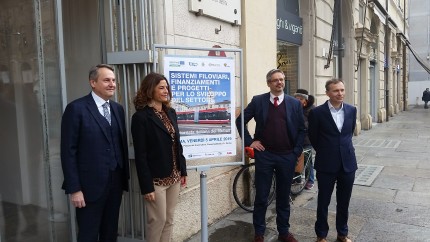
94,71
271,72
147,88
302,93
332,81
311,101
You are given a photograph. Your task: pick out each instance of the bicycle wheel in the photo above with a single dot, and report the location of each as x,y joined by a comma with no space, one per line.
300,179
244,188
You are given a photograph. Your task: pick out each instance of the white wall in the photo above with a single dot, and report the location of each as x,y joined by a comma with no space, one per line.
415,91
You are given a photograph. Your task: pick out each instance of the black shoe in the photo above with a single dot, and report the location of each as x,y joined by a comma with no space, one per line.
258,238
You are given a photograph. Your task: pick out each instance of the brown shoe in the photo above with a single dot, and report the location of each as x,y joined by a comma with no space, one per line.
343,239
287,238
259,238
319,239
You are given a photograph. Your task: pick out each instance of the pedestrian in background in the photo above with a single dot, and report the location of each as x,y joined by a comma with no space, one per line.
307,102
426,98
331,127
277,143
94,157
160,164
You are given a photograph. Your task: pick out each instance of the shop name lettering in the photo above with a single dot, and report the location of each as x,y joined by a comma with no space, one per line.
283,63
283,24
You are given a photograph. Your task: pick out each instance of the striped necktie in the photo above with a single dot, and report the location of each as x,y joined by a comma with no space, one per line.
106,112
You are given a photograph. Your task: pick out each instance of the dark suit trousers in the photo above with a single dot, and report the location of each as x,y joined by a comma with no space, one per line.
267,163
98,220
326,182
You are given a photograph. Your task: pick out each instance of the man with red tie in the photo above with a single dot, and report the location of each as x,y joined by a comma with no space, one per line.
277,143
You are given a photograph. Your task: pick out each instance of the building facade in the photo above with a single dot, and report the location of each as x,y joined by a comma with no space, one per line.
47,48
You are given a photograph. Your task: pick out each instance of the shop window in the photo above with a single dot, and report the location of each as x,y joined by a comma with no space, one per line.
288,61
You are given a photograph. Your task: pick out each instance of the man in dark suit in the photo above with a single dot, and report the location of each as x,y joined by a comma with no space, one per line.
277,142
94,157
331,127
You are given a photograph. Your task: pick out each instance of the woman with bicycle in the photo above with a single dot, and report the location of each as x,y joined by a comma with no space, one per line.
308,103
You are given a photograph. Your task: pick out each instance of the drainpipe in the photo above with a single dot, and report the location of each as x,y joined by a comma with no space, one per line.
339,38
404,58
387,62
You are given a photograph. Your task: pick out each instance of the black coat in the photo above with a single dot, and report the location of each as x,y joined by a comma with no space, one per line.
426,96
153,147
306,109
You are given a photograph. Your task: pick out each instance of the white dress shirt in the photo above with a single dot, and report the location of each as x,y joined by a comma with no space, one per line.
99,102
338,115
280,98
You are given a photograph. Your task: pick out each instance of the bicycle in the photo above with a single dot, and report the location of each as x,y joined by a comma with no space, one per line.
244,182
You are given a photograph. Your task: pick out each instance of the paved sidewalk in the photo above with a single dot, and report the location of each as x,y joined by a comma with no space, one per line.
394,206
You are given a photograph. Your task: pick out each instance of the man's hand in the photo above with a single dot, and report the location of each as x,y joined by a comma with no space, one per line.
257,145
77,199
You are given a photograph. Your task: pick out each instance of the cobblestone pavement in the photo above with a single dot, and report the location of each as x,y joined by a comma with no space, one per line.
391,204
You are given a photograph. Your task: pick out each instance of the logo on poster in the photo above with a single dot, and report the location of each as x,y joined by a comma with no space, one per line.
176,63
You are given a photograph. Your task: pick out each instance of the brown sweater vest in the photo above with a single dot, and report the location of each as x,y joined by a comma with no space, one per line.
275,135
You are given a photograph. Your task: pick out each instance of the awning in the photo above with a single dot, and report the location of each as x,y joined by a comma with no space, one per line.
418,58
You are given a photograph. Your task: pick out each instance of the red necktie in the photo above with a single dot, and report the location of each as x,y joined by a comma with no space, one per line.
276,101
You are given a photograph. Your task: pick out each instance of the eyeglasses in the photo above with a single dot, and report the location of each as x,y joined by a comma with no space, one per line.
271,72
277,80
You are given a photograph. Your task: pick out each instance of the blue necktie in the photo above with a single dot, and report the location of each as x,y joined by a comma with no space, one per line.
106,112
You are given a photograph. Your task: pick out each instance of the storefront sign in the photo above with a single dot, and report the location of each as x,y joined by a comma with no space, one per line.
289,26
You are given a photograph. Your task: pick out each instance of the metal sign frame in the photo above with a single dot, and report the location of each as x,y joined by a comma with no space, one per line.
203,168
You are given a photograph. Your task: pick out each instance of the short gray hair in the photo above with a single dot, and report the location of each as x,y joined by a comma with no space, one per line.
271,72
94,71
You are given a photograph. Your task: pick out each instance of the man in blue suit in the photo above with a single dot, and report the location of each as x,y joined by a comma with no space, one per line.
331,127
94,157
277,143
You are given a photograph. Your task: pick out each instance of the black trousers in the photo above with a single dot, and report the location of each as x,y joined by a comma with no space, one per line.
326,182
98,220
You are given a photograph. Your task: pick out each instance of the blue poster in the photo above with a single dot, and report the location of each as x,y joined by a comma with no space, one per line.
203,97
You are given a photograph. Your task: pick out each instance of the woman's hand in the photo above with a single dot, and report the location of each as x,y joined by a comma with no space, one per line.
149,196
183,181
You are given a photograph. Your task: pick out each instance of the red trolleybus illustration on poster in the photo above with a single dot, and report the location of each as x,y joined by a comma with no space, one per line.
203,97
205,116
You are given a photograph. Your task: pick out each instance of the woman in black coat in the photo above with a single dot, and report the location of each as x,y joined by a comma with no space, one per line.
160,164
